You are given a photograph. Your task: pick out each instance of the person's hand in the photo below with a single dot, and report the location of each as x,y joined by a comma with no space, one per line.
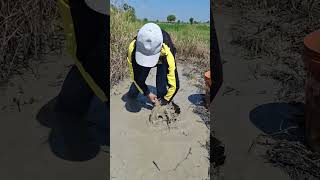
152,97
157,103
161,102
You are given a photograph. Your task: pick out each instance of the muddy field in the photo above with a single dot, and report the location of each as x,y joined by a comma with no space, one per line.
159,150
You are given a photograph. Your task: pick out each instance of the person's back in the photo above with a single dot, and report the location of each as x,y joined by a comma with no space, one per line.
153,47
168,41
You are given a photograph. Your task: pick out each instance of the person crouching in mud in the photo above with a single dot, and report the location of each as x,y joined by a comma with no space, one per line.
153,47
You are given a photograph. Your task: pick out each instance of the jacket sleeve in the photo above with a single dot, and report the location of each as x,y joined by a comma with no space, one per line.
138,77
172,75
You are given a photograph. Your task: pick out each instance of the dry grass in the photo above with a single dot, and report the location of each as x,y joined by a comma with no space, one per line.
285,150
28,30
194,52
122,32
273,31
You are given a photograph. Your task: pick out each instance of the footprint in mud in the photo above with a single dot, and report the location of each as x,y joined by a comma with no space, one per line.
164,117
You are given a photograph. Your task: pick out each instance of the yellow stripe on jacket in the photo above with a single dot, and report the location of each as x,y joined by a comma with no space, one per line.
130,51
64,9
171,76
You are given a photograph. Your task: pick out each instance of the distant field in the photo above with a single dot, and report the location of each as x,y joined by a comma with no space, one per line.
191,40
198,31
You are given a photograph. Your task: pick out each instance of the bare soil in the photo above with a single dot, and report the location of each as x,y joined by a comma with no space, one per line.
242,91
25,151
140,151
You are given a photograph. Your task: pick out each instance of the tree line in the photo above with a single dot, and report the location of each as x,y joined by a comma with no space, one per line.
170,18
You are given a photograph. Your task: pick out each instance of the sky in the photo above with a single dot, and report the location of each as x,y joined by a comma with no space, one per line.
182,9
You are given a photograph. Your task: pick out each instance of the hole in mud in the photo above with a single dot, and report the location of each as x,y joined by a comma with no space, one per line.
163,117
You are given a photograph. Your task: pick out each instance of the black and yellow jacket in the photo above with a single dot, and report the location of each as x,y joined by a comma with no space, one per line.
167,57
80,46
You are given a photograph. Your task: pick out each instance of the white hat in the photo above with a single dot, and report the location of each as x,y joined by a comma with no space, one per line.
148,46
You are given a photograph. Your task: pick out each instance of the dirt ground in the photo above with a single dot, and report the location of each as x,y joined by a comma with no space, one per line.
141,151
241,92
25,151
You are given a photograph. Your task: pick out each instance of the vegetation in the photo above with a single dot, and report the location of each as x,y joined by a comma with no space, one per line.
130,11
191,20
28,29
273,32
171,18
192,41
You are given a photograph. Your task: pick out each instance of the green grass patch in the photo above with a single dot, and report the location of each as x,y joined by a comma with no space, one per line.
199,31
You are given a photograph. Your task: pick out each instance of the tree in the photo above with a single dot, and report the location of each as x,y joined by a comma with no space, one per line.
191,20
145,19
157,20
179,21
171,18
131,12
126,7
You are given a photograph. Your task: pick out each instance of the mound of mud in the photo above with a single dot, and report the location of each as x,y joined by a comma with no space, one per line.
164,116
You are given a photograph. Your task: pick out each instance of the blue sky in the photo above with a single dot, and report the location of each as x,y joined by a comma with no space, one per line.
182,9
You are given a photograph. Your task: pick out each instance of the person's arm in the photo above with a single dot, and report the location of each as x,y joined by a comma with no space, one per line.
138,76
172,75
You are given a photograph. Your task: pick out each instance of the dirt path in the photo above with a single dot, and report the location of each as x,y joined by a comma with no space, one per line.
241,93
25,152
142,152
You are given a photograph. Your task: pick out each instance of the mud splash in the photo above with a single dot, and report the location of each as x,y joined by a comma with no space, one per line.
164,116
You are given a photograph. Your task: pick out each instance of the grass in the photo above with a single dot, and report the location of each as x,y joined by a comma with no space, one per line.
192,42
200,31
29,29
122,31
272,31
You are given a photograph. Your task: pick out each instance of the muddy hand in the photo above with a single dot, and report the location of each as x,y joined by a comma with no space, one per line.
157,102
152,97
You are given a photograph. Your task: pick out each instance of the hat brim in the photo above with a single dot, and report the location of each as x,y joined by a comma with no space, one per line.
147,61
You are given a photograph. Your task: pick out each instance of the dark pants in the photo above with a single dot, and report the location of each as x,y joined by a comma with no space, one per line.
161,81
92,32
